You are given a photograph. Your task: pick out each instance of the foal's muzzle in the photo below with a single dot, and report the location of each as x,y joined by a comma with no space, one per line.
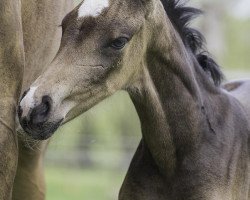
36,122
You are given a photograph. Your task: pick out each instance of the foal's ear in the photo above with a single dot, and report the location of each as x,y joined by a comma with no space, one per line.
148,6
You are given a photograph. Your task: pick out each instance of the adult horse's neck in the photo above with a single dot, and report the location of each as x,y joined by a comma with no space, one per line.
169,100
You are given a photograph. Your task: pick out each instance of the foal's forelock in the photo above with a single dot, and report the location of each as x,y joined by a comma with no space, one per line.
90,8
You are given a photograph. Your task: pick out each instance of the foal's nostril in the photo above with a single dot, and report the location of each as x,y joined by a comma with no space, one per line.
46,105
37,118
25,122
41,113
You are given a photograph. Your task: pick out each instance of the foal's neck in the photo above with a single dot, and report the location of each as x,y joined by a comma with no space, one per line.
169,99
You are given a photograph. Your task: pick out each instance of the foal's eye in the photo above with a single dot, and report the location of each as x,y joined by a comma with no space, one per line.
119,43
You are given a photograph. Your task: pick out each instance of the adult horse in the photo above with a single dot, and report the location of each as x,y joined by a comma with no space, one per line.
29,39
195,134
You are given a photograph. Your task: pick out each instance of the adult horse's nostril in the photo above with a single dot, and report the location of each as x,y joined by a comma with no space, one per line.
40,114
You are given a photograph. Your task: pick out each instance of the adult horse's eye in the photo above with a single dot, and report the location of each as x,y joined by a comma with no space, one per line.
119,43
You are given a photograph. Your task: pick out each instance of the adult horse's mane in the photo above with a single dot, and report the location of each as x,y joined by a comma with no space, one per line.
180,16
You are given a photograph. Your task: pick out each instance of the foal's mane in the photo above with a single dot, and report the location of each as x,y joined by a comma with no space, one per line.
180,16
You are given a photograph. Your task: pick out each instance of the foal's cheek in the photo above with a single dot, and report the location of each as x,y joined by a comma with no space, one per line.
88,80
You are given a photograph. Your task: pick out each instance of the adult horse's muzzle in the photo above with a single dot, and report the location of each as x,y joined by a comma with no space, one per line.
35,122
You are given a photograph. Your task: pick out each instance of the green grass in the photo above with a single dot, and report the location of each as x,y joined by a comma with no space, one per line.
80,184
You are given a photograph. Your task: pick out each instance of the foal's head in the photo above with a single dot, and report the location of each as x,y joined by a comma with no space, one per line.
101,52
103,49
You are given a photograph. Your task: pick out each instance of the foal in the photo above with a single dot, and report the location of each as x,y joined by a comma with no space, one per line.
195,134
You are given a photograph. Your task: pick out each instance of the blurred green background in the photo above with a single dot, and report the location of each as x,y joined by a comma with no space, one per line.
88,157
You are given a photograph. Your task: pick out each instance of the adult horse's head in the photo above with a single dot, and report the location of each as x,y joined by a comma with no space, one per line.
102,51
